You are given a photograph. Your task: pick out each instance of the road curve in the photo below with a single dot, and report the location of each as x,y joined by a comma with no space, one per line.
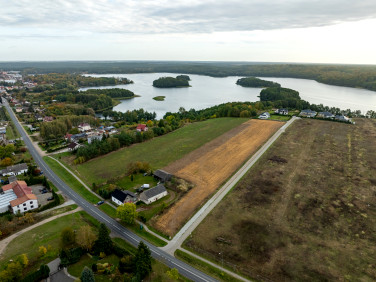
172,262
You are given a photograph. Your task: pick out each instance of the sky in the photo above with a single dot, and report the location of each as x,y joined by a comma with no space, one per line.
314,31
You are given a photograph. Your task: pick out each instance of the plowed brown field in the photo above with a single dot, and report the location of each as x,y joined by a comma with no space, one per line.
210,165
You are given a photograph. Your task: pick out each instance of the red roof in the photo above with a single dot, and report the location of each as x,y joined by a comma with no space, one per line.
22,192
141,126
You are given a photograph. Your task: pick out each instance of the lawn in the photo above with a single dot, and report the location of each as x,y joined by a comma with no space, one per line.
11,133
70,180
305,212
47,235
158,152
135,228
138,179
280,117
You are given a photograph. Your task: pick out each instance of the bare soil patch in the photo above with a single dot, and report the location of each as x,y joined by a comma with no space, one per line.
305,212
210,165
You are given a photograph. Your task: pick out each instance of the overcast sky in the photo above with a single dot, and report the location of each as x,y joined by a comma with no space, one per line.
318,31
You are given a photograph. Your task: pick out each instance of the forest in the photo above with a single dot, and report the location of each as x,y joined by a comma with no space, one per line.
169,82
361,76
115,93
256,82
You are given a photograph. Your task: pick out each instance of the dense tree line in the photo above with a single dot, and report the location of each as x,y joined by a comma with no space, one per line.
130,116
342,75
256,82
59,127
67,80
183,76
116,93
169,82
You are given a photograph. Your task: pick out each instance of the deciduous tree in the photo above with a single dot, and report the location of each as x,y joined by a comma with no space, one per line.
127,212
86,237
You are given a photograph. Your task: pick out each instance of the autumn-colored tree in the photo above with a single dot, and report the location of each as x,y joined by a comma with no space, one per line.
127,212
23,260
86,237
6,161
173,273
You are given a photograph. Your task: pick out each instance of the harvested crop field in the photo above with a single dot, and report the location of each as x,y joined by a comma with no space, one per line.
305,212
210,165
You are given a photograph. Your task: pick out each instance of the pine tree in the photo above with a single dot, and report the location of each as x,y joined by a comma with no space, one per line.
143,260
87,275
104,242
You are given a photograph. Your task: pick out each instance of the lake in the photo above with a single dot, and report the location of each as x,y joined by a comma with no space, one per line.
208,91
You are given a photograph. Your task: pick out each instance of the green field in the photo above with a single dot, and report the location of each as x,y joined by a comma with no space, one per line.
11,132
158,152
70,180
45,235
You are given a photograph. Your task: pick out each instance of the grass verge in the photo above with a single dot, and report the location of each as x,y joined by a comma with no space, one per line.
70,180
205,267
135,228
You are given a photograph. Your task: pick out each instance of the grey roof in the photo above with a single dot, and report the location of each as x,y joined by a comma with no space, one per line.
154,191
6,198
15,168
12,178
163,175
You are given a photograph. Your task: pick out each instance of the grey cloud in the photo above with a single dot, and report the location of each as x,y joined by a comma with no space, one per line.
146,16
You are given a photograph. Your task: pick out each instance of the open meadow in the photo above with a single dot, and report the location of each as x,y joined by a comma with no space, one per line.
211,165
305,212
158,152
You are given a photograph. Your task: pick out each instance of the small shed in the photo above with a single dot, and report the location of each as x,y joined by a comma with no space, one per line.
162,175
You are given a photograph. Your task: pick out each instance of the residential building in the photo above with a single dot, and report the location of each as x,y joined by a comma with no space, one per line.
265,115
73,146
120,197
142,127
19,197
94,137
325,115
282,111
153,194
48,119
308,113
14,169
84,127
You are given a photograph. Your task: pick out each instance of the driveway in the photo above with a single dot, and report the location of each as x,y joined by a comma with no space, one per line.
42,198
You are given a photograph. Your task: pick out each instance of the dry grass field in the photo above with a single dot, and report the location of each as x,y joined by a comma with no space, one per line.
305,212
209,166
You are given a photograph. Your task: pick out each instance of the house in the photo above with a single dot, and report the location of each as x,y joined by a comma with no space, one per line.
3,130
162,175
142,127
282,111
14,169
153,194
308,113
73,146
94,137
48,119
265,115
120,197
84,127
68,137
342,118
325,115
77,137
18,110
19,197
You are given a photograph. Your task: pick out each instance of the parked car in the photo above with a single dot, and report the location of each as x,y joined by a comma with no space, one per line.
100,202
44,191
50,198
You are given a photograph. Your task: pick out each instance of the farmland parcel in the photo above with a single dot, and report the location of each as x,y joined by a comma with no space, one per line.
305,211
210,165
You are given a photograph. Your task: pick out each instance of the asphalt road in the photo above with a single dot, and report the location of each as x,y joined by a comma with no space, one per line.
183,268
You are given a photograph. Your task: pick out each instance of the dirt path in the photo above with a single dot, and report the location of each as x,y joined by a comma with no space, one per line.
5,242
210,165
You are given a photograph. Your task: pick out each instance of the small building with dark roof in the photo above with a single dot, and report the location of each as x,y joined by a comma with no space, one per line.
153,194
162,175
14,169
120,197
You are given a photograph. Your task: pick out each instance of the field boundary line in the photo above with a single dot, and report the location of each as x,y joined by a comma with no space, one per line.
199,216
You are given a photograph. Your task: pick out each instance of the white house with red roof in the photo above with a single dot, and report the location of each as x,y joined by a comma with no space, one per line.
84,127
19,197
142,127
